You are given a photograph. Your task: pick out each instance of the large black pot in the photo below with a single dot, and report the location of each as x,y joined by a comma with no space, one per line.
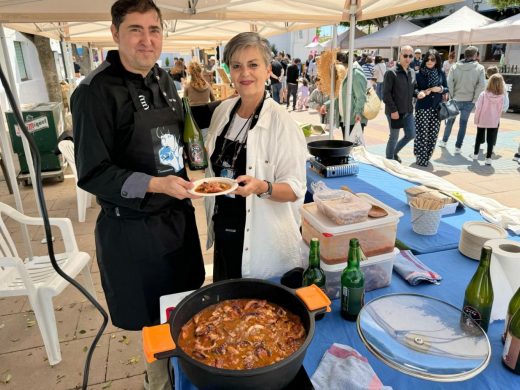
275,376
330,148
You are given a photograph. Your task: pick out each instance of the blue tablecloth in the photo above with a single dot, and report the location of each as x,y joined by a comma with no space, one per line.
390,190
456,271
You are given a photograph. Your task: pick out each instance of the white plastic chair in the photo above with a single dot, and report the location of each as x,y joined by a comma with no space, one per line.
36,277
84,198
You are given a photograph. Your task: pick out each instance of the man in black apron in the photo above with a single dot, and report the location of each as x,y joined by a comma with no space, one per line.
128,123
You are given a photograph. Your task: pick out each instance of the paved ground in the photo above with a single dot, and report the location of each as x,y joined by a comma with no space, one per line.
118,361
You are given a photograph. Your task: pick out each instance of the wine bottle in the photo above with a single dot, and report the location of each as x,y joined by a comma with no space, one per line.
352,283
193,141
514,306
478,298
511,354
314,274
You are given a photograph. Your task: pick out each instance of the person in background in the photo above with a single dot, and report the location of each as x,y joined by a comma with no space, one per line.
210,70
368,69
363,59
303,95
446,66
126,113
317,100
77,67
293,74
430,89
488,109
398,93
379,75
198,90
256,142
490,71
359,97
312,71
275,76
178,74
466,81
417,61
516,157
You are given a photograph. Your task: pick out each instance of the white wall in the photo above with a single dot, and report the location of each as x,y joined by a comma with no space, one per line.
34,89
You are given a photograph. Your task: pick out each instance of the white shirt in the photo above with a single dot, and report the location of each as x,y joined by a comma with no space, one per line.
277,152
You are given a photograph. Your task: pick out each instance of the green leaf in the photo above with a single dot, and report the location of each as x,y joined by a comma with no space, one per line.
107,385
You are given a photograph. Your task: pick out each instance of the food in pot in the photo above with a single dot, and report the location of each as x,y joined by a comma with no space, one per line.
212,187
241,334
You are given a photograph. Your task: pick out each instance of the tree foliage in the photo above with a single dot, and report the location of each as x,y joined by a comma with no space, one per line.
381,22
503,4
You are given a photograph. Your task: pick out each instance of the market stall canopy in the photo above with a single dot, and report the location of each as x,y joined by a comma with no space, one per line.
507,30
343,39
388,36
453,29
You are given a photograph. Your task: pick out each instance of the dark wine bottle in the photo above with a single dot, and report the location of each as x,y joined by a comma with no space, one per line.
514,306
511,354
193,141
478,298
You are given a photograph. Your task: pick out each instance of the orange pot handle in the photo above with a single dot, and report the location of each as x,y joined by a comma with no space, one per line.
314,298
157,339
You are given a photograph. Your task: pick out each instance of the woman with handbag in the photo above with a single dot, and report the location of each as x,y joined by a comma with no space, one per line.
431,86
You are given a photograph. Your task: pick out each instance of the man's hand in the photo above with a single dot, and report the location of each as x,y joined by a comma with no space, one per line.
250,185
394,115
173,186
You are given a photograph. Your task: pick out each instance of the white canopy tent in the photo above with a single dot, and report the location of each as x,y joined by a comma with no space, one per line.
507,30
342,39
386,37
94,12
453,29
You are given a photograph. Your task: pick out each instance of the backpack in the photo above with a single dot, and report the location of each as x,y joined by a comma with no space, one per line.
372,105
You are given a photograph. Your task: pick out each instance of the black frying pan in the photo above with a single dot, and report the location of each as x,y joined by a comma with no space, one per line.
330,148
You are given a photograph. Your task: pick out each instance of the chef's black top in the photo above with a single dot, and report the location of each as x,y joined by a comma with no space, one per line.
108,124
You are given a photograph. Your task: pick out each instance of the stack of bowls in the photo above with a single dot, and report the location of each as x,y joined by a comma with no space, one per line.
474,234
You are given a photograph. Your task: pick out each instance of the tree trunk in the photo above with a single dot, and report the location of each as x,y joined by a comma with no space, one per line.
46,56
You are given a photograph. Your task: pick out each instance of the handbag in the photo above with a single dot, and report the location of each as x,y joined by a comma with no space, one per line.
372,105
448,110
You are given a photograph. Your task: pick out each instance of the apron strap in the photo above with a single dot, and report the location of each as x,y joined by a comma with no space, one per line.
141,105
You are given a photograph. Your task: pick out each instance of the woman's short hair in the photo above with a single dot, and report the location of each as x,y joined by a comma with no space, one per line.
244,40
495,84
432,53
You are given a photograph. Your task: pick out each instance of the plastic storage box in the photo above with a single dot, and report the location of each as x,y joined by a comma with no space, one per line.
377,271
376,235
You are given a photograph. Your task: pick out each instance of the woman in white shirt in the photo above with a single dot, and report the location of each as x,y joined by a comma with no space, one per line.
255,141
446,65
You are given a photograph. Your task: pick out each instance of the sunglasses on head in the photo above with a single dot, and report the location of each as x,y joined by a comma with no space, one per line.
407,55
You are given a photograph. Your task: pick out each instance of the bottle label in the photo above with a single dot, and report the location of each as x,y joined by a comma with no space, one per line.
472,313
352,299
506,325
196,153
511,351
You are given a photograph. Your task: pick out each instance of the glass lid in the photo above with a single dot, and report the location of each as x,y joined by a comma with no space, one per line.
424,337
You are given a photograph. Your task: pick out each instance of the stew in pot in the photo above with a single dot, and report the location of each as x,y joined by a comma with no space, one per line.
241,334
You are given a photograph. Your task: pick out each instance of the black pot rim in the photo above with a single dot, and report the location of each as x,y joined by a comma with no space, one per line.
254,371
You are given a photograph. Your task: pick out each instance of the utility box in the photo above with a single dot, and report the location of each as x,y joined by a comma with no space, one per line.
44,122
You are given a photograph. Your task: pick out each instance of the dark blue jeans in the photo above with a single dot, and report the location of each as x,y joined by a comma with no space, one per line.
393,147
465,109
275,91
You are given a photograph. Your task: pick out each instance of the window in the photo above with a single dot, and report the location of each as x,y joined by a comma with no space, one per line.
20,61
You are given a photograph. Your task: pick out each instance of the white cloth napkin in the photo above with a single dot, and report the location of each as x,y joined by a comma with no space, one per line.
342,367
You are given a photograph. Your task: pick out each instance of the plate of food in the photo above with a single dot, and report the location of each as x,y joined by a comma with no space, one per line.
213,186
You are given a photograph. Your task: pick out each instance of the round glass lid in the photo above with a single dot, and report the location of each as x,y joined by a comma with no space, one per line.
424,337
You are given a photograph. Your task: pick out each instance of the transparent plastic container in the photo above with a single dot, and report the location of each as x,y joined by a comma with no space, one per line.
376,235
377,271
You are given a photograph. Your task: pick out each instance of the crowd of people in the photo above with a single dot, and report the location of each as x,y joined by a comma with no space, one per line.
413,88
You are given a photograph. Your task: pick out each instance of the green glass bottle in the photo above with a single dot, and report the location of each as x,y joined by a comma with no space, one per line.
511,354
314,274
193,141
514,306
478,298
352,283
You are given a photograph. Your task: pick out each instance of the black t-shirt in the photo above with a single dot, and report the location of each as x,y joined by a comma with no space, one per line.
277,70
292,74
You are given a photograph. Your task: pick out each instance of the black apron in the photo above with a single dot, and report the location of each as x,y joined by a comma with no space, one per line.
145,254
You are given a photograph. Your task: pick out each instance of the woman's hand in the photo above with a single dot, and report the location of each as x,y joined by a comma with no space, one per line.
250,185
323,110
436,89
421,95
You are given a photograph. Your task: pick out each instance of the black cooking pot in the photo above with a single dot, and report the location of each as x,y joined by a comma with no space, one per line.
159,342
330,148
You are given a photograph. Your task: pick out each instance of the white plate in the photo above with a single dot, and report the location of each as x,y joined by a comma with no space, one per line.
231,182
